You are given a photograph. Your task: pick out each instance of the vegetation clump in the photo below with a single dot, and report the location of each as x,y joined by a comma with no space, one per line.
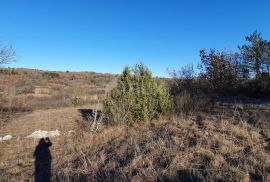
223,75
8,72
50,75
137,97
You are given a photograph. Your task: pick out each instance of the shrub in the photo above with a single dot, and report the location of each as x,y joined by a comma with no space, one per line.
76,101
137,97
73,77
189,93
8,72
188,102
50,75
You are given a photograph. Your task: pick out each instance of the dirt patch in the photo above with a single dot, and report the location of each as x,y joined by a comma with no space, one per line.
42,90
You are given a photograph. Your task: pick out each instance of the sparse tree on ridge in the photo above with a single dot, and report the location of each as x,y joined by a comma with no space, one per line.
6,54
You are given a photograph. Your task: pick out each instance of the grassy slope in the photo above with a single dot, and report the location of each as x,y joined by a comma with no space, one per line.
29,90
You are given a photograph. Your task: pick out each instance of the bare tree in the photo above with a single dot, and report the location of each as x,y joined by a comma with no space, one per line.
7,54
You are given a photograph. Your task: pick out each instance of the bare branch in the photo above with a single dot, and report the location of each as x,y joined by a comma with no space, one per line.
7,55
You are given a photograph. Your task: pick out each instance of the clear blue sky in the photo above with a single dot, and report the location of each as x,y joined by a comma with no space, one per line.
105,36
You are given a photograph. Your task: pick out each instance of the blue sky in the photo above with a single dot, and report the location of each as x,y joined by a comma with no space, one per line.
106,35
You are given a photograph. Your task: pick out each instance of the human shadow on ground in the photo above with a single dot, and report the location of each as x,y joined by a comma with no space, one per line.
43,160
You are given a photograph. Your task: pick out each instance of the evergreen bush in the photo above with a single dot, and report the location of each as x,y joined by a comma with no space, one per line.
137,97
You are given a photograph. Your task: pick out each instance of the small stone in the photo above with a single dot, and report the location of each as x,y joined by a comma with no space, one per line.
7,137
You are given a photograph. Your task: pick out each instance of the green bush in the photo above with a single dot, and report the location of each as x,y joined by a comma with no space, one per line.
50,75
137,97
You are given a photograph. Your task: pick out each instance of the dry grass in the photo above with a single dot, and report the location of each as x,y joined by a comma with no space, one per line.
159,151
172,151
61,119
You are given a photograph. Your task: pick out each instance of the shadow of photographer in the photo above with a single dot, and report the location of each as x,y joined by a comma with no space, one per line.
43,160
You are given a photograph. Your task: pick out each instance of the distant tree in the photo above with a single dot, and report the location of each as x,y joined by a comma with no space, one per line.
221,69
210,66
182,78
187,72
266,57
253,53
6,54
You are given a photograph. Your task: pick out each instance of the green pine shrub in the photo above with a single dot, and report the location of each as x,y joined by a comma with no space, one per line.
137,97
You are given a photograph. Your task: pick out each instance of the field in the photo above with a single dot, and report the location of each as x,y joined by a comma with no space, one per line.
227,142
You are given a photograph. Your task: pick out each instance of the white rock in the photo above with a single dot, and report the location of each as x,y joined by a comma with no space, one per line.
7,137
54,133
44,134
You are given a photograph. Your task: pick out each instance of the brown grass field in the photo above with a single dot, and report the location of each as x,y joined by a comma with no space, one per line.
231,142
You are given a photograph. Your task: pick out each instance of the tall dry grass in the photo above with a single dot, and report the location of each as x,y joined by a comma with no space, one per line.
172,150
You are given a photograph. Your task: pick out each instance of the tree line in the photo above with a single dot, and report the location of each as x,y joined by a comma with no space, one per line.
244,72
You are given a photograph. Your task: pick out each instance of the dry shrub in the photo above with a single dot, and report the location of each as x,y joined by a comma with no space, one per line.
79,95
187,103
188,92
